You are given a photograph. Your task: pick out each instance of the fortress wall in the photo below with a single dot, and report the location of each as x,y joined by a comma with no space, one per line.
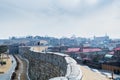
57,66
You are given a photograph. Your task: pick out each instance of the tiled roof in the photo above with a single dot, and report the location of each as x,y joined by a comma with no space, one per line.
91,50
73,50
83,50
111,52
117,48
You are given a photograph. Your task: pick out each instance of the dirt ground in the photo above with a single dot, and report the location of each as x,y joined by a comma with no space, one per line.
5,68
90,75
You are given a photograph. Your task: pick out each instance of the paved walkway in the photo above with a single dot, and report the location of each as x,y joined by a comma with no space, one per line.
7,75
22,70
88,74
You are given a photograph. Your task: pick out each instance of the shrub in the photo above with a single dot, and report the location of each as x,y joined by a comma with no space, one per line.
13,76
3,62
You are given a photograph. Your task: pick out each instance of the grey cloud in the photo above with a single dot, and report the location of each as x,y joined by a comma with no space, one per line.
53,7
50,17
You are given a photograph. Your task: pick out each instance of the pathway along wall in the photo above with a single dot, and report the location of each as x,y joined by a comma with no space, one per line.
50,66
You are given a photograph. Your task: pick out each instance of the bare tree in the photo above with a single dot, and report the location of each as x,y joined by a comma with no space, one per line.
3,48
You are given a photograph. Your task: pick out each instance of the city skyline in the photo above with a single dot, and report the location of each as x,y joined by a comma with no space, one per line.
84,18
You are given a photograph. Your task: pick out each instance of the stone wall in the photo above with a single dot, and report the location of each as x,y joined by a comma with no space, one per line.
53,66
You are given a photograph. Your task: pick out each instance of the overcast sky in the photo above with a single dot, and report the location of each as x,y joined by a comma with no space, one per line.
84,18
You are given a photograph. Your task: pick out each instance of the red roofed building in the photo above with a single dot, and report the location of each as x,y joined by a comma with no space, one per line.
92,54
73,52
85,53
117,52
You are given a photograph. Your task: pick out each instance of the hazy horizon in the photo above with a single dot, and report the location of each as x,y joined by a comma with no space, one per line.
92,37
57,18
